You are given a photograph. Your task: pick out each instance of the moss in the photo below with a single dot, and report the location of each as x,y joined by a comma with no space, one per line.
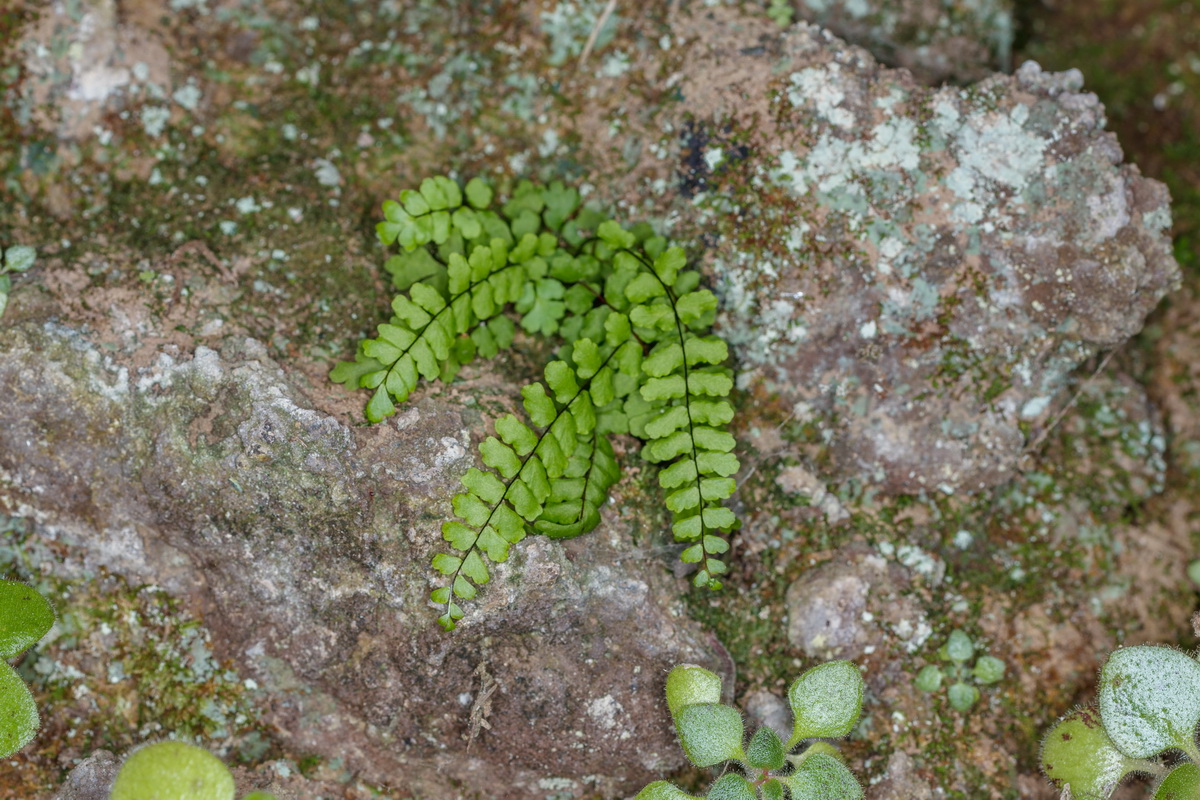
124,664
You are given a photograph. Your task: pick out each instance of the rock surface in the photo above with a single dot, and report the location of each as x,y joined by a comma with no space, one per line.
308,542
845,606
937,40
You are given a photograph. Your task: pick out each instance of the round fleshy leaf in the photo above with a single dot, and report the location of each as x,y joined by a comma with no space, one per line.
765,750
173,771
710,733
825,701
18,713
661,790
1149,699
772,790
1182,783
25,617
822,777
962,696
260,796
988,669
731,786
19,258
929,679
958,648
688,684
1078,752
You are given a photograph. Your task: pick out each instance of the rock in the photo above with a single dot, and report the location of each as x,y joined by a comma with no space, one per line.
88,60
936,40
946,259
840,607
901,781
764,708
307,543
91,779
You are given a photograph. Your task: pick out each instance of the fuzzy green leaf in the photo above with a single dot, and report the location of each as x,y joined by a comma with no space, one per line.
710,733
826,701
731,786
962,696
689,684
822,777
1078,752
988,669
661,790
765,750
1183,783
19,258
171,770
1150,699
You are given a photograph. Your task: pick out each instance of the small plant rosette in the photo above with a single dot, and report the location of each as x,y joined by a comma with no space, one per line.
963,681
826,702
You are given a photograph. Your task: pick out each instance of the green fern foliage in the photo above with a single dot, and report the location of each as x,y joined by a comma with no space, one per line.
636,357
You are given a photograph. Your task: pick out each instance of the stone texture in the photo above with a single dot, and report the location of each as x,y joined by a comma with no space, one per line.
937,40
91,779
947,259
901,782
840,608
307,543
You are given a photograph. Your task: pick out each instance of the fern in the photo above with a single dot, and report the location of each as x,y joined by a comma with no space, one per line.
637,357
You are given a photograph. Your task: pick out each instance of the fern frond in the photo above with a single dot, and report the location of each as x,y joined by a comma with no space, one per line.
556,460
683,411
635,357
